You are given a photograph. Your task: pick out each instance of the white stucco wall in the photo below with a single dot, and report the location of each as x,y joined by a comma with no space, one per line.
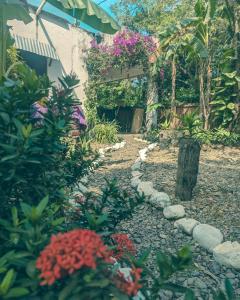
69,42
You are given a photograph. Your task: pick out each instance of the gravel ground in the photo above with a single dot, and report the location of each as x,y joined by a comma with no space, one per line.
216,201
117,164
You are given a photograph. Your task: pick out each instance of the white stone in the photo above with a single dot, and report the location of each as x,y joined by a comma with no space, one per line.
228,254
136,174
118,145
136,166
152,146
174,212
207,236
82,188
143,154
146,188
160,199
186,225
108,149
135,182
141,140
101,151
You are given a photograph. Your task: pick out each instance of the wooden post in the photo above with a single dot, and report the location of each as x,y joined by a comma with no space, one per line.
137,120
188,164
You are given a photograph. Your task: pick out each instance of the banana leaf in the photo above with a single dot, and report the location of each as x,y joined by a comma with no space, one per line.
89,13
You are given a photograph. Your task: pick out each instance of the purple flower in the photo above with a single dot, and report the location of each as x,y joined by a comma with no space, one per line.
117,52
39,111
78,115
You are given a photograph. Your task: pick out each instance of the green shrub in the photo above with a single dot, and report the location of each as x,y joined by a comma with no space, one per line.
36,265
33,160
219,136
104,133
102,213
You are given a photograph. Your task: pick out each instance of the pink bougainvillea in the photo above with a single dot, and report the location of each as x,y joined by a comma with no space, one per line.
128,42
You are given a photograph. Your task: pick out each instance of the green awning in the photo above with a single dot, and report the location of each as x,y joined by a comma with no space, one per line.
88,12
35,46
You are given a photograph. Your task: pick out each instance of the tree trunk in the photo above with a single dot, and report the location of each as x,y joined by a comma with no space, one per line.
204,105
173,100
208,94
152,98
236,45
188,164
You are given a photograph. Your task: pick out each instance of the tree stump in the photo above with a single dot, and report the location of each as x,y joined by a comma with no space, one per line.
188,164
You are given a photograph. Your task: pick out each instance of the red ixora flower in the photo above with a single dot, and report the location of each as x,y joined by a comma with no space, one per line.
129,285
124,245
71,251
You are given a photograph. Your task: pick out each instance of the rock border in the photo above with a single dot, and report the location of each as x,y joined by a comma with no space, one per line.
208,237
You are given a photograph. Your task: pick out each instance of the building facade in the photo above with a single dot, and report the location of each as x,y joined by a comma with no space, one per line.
52,46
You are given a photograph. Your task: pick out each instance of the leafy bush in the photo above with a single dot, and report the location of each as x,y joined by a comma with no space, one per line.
104,133
38,262
85,267
190,123
33,155
78,157
102,213
218,136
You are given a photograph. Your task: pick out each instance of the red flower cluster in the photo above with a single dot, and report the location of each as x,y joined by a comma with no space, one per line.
124,245
68,252
130,285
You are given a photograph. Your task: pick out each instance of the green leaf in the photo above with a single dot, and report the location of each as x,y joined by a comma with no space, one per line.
229,290
164,265
31,268
5,117
212,7
58,221
42,205
26,209
7,282
17,292
101,219
101,283
66,292
231,106
9,157
185,252
199,8
14,216
230,75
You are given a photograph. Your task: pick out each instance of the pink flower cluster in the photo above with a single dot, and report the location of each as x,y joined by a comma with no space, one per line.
127,42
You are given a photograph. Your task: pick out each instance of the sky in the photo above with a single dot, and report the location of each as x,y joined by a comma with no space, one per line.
106,4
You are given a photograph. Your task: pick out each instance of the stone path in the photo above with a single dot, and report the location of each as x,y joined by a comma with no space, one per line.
149,228
117,164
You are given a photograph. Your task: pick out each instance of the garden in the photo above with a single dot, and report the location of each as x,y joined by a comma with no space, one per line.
104,212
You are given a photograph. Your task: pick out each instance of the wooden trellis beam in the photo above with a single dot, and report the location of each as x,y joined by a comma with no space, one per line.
126,73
